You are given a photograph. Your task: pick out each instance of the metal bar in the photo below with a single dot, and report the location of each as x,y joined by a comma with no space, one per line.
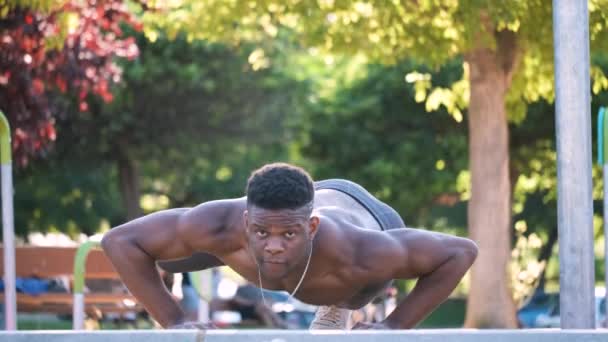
602,125
80,261
8,229
573,130
263,335
78,312
605,167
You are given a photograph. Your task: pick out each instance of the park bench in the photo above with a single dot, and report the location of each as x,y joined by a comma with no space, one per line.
103,290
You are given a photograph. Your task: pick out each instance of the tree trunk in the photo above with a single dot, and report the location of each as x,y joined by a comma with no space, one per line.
490,302
129,186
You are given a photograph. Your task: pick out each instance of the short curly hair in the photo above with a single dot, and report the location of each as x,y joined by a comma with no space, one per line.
279,186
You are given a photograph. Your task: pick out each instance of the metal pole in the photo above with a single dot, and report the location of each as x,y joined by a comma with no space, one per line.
573,130
80,263
204,290
8,230
602,125
605,166
203,311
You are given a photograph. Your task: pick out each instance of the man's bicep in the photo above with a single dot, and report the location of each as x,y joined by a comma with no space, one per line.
154,234
169,234
424,251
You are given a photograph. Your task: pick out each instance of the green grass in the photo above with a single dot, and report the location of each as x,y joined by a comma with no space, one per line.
51,322
29,324
450,314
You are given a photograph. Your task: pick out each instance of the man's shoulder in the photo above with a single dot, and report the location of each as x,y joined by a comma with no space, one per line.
216,215
214,224
338,235
376,247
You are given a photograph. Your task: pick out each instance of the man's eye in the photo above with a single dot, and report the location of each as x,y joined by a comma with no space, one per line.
261,233
290,234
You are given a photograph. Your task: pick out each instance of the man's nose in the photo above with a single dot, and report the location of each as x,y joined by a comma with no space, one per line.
274,246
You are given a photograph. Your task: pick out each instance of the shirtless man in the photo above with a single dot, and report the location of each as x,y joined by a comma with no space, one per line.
328,243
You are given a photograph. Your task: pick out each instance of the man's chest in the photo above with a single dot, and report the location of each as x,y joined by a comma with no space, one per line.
346,291
341,285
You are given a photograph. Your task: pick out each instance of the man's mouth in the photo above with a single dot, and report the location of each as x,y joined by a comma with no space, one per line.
274,261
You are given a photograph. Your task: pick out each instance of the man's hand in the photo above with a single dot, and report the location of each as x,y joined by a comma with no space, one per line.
194,325
370,326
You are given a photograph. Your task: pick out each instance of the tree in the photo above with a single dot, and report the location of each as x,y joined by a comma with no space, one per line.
372,132
54,50
182,108
69,197
192,118
507,51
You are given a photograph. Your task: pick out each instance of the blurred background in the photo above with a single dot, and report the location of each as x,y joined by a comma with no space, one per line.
120,108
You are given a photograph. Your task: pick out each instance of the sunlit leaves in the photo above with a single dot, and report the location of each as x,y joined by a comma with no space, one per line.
454,98
429,31
258,59
42,6
524,266
600,81
371,130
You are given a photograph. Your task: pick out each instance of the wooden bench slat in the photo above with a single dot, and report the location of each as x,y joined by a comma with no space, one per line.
69,297
49,262
52,262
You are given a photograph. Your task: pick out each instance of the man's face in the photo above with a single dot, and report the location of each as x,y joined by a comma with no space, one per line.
280,239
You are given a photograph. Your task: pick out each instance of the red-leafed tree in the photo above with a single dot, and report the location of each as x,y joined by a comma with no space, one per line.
48,56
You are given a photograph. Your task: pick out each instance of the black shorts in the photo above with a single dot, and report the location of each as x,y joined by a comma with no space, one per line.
386,216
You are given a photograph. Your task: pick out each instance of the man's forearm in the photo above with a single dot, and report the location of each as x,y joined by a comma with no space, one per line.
138,272
430,291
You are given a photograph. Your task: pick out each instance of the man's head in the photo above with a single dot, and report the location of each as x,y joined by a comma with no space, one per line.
278,217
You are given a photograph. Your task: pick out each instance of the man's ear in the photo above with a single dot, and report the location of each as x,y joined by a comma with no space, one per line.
313,226
246,219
